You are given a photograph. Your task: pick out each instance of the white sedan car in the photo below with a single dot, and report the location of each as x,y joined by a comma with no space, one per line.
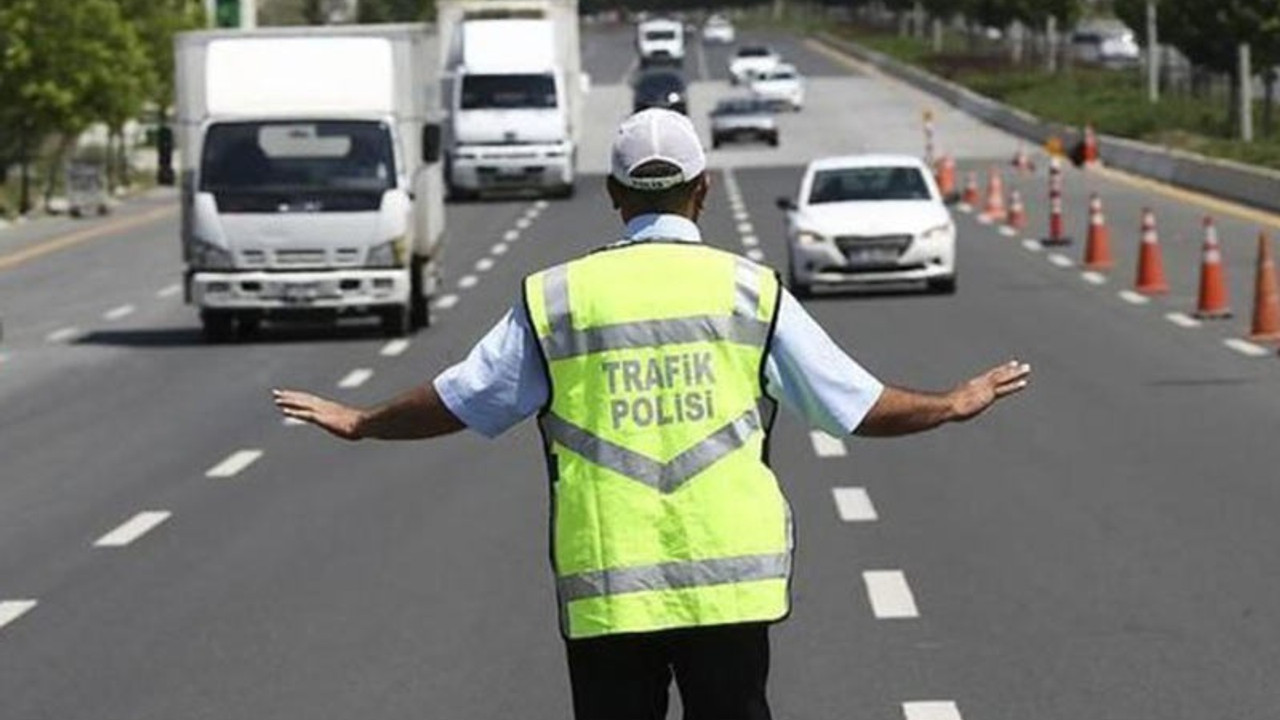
718,29
780,86
751,60
869,220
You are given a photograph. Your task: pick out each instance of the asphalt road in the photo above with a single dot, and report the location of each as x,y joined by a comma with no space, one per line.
1100,547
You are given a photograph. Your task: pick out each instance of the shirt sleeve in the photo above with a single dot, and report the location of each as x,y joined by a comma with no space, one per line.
811,376
501,382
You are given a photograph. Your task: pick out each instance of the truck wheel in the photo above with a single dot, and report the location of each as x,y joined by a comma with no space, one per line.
395,322
217,326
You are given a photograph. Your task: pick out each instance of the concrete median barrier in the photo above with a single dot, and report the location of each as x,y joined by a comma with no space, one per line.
1248,184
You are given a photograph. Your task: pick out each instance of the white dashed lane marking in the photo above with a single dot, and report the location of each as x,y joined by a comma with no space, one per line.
467,281
826,446
854,504
511,236
750,240
524,223
1182,320
394,348
1093,278
133,528
446,301
11,610
964,207
740,215
499,249
890,596
62,335
169,290
234,464
484,264
1133,298
1032,245
355,378
118,313
746,228
1008,231
542,204
755,255
1246,348
293,422
930,710
1060,260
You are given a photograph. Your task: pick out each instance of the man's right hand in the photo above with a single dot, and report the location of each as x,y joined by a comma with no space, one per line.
341,420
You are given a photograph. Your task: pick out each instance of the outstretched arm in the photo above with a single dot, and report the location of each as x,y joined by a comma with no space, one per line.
415,415
903,412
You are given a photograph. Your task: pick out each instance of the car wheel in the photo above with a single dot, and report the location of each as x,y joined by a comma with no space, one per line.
217,326
943,286
773,141
798,289
396,322
715,143
248,324
419,303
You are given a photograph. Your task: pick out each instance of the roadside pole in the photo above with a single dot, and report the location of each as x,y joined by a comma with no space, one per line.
1246,94
1153,53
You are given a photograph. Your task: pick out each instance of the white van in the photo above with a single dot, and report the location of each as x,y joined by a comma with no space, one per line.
660,42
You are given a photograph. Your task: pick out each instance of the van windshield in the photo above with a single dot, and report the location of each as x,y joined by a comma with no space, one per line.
297,156
508,92
868,183
660,35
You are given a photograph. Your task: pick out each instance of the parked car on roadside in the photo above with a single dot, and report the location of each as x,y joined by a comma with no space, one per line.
869,220
743,120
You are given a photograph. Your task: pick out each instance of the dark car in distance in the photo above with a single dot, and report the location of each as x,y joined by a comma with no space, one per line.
661,89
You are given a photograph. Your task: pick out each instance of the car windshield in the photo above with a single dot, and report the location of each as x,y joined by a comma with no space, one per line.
748,52
868,183
508,92
739,107
660,35
276,156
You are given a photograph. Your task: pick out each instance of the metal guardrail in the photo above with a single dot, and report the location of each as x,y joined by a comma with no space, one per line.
1248,184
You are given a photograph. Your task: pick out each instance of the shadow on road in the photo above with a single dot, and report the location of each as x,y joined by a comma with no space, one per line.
182,337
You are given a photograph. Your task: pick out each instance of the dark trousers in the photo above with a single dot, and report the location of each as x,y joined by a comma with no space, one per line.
721,673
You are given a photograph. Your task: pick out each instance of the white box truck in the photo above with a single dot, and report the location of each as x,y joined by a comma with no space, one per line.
660,42
515,87
311,181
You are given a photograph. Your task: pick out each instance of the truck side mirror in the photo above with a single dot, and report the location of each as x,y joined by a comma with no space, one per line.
431,143
786,204
164,156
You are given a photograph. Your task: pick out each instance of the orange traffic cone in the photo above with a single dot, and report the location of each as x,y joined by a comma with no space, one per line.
1266,296
1151,279
946,177
971,190
1097,249
1090,145
1017,212
994,210
1213,302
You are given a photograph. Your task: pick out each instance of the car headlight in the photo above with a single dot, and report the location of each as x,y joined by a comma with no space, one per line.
207,256
941,232
806,237
387,255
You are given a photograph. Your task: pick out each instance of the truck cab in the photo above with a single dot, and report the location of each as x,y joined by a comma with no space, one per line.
660,42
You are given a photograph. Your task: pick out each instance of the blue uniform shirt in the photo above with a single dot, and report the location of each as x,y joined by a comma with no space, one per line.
502,382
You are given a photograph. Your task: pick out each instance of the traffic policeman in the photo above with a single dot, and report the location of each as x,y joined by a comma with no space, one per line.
653,365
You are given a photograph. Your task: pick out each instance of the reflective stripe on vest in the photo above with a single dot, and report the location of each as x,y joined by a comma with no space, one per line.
664,513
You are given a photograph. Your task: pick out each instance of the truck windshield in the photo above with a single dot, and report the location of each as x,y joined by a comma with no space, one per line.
660,35
502,92
297,156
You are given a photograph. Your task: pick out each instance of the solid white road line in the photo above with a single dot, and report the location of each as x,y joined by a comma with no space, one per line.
1093,278
133,528
169,290
826,446
484,264
117,313
11,610
755,255
1133,298
1060,260
499,249
355,378
931,710
750,240
467,281
1246,348
511,236
1032,245
854,504
889,594
1182,320
446,301
62,335
394,348
234,464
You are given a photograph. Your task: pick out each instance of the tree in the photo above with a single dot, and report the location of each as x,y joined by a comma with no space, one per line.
382,11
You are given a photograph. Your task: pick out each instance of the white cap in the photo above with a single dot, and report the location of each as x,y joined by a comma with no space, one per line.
657,134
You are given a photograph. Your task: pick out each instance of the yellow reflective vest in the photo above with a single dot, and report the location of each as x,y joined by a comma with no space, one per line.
665,513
